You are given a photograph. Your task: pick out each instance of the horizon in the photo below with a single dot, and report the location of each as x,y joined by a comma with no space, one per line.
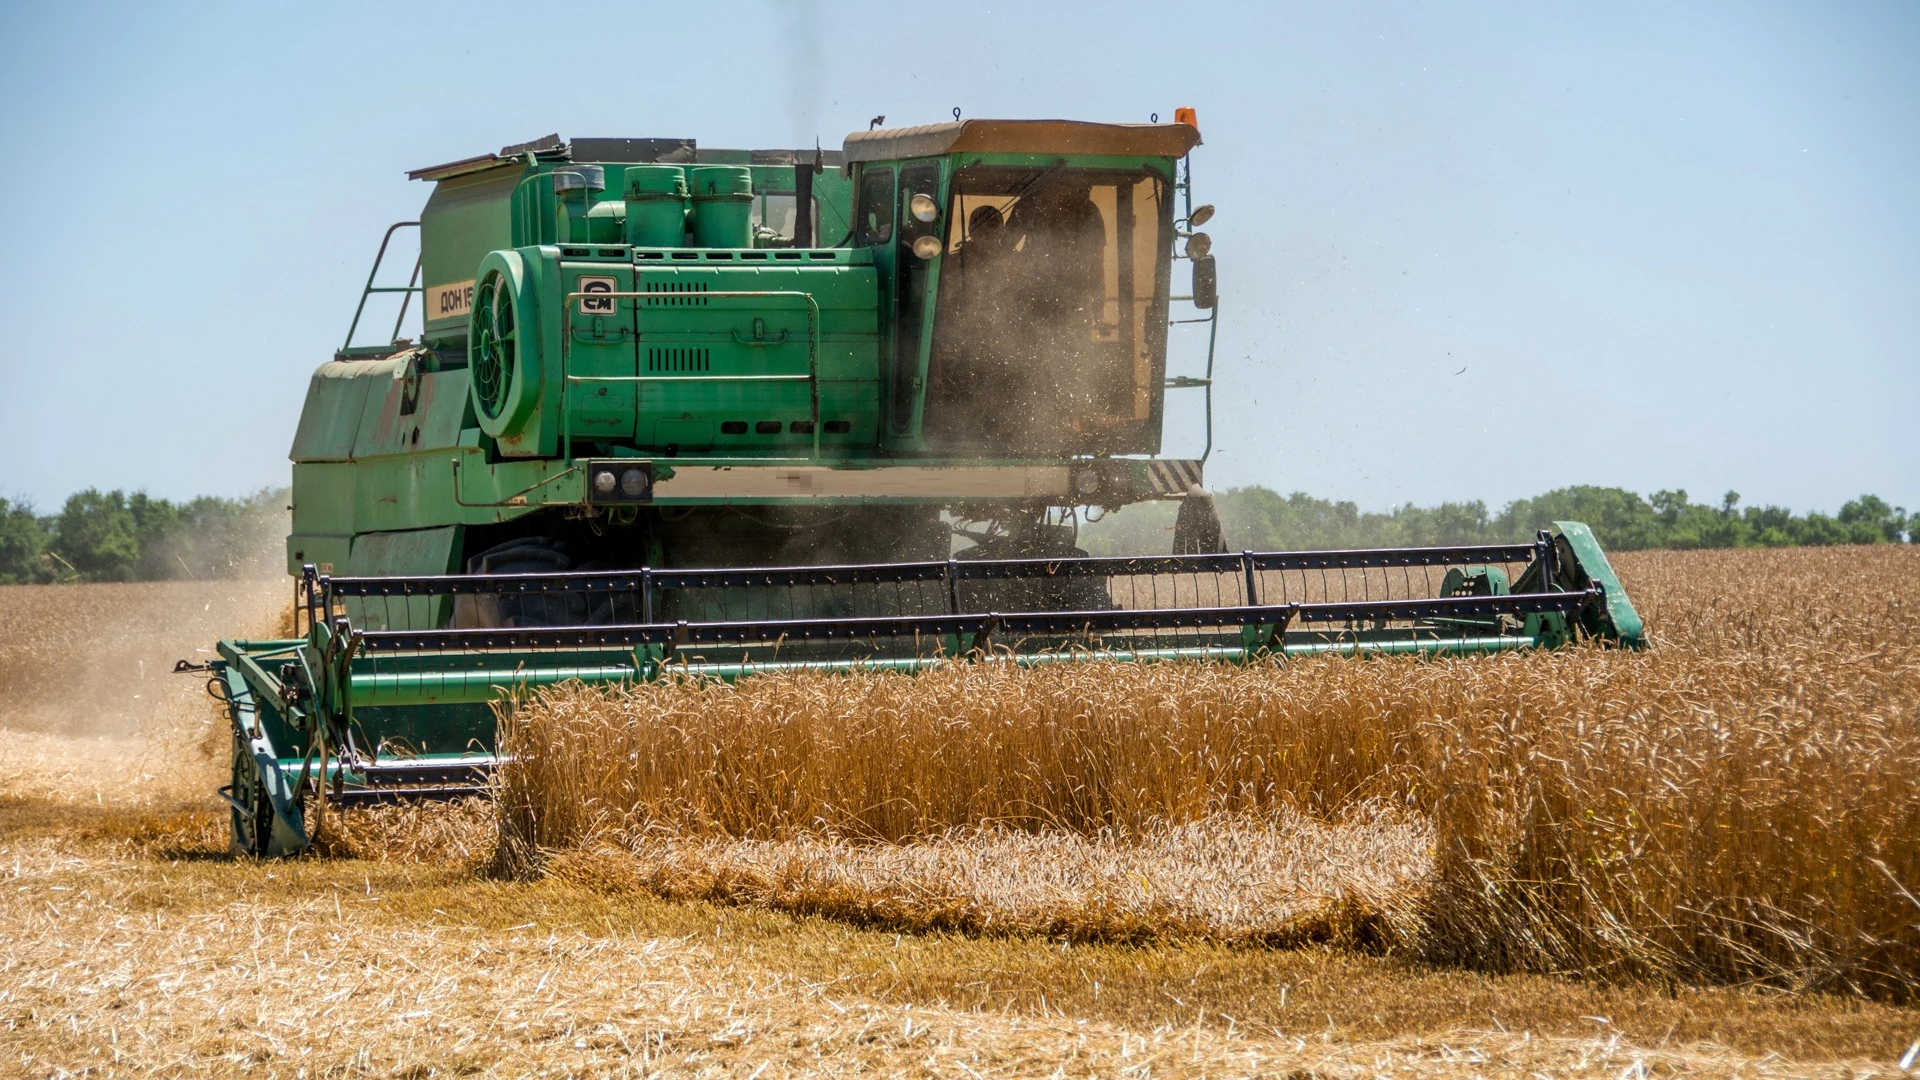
1493,508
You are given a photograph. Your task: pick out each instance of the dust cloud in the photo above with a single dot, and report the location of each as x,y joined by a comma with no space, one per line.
90,709
1045,334
248,546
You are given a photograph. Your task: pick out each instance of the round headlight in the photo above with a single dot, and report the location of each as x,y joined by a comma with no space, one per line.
1087,482
603,482
926,247
634,483
923,208
1200,216
1198,245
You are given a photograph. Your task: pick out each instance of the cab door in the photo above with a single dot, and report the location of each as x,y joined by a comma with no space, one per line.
913,306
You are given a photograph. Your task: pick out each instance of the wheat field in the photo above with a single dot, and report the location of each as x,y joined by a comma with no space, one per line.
1736,805
1680,862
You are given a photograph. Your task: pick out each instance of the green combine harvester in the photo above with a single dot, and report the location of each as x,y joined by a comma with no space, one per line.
676,409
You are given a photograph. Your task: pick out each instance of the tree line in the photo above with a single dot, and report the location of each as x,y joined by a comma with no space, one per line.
113,536
1258,518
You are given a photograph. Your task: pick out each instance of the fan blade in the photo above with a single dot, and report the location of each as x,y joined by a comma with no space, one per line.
493,312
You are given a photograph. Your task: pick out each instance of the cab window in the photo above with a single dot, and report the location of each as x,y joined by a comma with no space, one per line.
774,218
874,212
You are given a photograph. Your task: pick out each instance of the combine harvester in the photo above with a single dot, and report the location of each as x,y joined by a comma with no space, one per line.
726,411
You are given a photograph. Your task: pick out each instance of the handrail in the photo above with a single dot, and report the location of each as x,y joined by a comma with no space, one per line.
1184,382
1212,319
369,289
566,348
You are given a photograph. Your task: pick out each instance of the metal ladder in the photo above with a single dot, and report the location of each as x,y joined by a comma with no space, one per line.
347,350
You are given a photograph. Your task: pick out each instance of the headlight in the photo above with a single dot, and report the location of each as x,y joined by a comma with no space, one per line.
923,208
926,247
1198,245
612,483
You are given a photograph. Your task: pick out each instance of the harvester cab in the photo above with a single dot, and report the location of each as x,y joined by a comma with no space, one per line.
723,411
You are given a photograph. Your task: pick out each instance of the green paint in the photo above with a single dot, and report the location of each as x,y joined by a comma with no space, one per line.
675,376
1621,622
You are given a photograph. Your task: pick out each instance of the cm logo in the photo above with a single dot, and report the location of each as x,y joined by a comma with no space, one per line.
595,303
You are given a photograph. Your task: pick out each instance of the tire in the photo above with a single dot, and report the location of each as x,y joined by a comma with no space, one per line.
252,827
1034,594
1196,528
506,610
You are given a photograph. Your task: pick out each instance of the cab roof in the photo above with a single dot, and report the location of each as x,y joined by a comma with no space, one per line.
1022,137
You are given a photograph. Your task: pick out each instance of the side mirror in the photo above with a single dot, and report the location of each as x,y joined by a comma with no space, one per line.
1206,283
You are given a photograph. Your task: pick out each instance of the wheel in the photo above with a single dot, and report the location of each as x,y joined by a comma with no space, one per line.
1076,593
1196,528
506,610
253,825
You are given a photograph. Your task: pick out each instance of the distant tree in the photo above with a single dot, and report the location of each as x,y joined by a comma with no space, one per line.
1622,520
1669,504
99,536
23,543
1769,526
1262,517
155,521
1819,530
1869,515
1448,523
1698,526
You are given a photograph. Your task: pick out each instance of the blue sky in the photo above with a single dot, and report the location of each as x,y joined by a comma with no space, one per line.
1670,245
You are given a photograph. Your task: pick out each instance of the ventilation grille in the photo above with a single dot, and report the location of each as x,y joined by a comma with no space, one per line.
677,359
676,294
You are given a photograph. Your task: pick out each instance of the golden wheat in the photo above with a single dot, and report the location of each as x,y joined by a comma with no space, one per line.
1286,880
1736,804
883,756
1739,804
